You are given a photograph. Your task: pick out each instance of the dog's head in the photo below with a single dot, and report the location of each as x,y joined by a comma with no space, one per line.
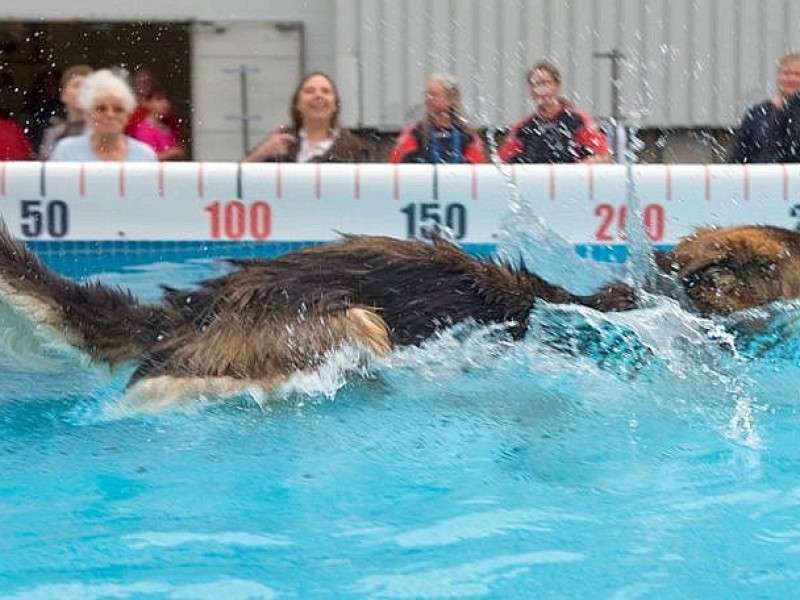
725,270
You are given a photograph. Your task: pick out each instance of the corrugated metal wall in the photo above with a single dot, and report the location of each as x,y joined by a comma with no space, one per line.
688,63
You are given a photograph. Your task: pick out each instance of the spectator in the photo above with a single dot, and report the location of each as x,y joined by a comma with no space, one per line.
556,132
75,122
143,83
43,104
108,101
444,136
791,129
154,129
14,145
315,135
761,136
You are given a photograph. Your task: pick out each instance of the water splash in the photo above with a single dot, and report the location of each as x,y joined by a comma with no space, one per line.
641,261
526,238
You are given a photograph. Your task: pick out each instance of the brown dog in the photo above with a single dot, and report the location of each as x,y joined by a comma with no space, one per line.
728,269
270,318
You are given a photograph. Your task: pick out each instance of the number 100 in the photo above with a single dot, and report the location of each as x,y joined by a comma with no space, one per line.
234,220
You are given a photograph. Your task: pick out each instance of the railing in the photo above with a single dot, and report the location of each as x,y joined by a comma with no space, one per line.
231,202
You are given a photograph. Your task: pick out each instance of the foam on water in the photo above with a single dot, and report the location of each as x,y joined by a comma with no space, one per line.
649,453
620,452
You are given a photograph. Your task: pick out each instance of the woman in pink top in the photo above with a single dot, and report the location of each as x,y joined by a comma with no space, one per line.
154,129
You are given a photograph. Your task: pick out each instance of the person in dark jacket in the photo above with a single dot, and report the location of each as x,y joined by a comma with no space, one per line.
791,129
765,132
444,136
315,134
557,132
14,145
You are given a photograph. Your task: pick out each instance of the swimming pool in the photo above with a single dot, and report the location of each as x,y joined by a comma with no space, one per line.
636,455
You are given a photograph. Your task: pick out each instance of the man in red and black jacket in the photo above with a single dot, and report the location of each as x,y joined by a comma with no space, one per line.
444,136
557,132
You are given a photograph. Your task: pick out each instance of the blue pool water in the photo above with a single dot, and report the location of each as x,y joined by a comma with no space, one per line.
643,455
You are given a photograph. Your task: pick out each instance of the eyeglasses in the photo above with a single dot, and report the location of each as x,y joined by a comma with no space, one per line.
114,108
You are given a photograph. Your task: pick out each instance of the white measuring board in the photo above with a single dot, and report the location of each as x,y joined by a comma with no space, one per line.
586,204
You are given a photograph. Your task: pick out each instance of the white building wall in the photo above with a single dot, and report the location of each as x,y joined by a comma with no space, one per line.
689,63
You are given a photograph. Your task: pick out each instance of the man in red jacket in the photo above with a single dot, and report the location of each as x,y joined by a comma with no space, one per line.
557,132
444,136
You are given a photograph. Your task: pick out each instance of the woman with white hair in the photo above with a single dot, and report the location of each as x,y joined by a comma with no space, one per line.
107,101
444,136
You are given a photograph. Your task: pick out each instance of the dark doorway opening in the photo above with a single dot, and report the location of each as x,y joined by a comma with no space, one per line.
33,55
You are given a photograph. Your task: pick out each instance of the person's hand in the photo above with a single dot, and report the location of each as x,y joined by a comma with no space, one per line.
276,144
174,153
602,158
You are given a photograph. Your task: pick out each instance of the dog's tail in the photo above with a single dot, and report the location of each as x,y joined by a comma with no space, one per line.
106,323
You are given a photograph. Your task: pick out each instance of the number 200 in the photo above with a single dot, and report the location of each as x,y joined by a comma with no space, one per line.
612,218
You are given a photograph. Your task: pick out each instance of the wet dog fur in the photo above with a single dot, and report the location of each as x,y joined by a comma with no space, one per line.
730,269
268,319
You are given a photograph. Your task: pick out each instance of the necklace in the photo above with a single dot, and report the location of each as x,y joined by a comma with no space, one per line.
110,150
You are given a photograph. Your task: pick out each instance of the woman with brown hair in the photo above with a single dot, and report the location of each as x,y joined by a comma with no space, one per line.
315,134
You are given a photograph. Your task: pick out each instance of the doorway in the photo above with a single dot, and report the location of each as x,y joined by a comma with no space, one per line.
35,54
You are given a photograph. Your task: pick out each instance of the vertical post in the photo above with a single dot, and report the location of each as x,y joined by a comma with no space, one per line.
620,132
244,117
245,110
616,83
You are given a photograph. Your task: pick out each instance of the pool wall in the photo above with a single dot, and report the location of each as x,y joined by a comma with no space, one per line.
74,209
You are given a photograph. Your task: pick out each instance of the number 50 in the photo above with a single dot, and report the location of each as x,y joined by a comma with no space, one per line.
50,215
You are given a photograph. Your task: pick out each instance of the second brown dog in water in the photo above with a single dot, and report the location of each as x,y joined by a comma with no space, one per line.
729,269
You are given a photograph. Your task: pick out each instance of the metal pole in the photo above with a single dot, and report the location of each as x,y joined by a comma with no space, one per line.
245,110
620,134
244,117
616,83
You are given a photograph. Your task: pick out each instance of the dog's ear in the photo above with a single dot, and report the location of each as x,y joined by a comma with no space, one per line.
665,261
